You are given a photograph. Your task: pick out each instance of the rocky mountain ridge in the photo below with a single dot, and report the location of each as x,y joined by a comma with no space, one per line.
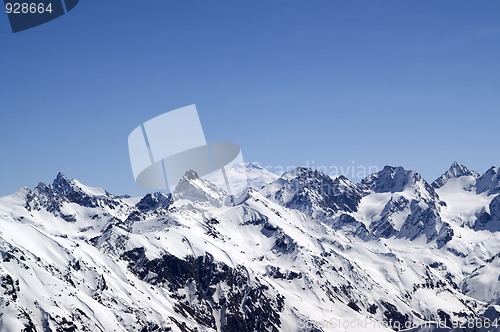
300,251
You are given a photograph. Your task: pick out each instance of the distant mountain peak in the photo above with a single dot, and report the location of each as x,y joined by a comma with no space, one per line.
61,181
193,188
251,165
303,172
190,175
61,185
61,177
62,190
152,201
391,179
313,192
456,170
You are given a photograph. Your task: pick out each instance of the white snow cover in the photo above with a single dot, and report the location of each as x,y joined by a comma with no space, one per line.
59,271
462,205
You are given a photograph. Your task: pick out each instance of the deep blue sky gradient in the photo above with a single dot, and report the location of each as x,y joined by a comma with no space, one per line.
411,83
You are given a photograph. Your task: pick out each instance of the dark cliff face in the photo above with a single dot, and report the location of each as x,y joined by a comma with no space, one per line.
489,221
214,290
390,179
489,182
316,193
154,201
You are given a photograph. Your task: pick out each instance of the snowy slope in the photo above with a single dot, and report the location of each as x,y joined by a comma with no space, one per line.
298,252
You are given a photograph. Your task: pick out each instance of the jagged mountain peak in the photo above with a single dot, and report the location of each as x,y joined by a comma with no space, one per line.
191,187
412,205
63,190
398,179
190,175
307,174
341,179
60,177
456,170
489,182
313,192
302,172
251,165
152,201
63,185
60,187
392,179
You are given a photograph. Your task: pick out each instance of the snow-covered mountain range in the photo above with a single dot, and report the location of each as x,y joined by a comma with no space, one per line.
301,251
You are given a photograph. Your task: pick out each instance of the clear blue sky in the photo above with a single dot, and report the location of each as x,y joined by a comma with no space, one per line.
411,83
